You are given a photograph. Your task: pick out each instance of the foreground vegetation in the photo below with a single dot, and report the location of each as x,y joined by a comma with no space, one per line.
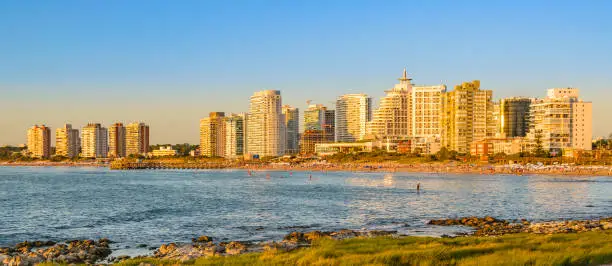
590,248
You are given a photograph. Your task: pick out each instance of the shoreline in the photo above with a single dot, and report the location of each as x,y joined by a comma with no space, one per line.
203,247
388,167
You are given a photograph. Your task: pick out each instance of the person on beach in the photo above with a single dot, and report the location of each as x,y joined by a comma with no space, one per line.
310,178
418,187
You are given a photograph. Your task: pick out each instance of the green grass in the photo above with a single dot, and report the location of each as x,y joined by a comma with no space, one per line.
590,248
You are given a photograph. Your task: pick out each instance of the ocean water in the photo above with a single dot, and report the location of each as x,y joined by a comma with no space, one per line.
160,206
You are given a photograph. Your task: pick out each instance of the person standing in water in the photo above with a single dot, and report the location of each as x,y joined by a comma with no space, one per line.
418,187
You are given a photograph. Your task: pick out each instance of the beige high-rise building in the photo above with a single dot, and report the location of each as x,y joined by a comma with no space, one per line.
116,141
67,141
94,141
467,116
235,135
392,120
136,139
265,124
39,141
292,129
426,106
353,114
212,135
561,120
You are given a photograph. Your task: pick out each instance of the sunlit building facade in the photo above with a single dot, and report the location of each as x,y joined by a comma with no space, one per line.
94,141
265,123
116,141
136,139
353,114
67,141
561,121
39,141
212,135
466,116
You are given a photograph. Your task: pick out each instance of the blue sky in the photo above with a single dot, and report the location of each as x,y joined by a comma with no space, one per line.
170,63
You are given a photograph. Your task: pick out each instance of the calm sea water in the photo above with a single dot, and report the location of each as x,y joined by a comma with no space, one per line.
154,207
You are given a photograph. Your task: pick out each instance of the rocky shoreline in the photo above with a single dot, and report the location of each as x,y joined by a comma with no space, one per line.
98,252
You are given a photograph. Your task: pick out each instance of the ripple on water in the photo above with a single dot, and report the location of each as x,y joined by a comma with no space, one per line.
155,207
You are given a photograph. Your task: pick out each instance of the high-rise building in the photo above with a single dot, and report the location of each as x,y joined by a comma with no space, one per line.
39,141
393,117
116,141
212,135
514,116
67,141
467,116
353,112
136,139
561,120
426,104
314,117
235,135
94,141
319,127
265,123
330,125
292,129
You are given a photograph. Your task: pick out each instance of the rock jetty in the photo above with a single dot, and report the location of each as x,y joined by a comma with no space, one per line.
489,226
71,252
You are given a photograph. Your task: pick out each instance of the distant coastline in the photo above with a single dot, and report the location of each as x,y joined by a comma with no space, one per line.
386,167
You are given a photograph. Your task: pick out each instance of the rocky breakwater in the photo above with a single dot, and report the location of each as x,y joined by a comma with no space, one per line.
71,252
204,246
489,226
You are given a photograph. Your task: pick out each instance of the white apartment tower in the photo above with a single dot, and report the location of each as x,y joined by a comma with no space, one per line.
426,105
67,141
94,141
292,129
266,127
393,118
353,112
561,120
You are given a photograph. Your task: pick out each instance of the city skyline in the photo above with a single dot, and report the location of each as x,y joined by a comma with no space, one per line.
93,63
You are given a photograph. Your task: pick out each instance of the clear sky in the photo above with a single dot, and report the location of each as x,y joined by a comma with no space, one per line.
170,63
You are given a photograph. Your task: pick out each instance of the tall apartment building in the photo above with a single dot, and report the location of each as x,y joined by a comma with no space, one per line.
292,126
514,116
426,106
39,141
330,125
561,120
314,117
136,139
467,116
353,114
266,127
393,118
67,141
94,141
116,141
235,135
212,135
